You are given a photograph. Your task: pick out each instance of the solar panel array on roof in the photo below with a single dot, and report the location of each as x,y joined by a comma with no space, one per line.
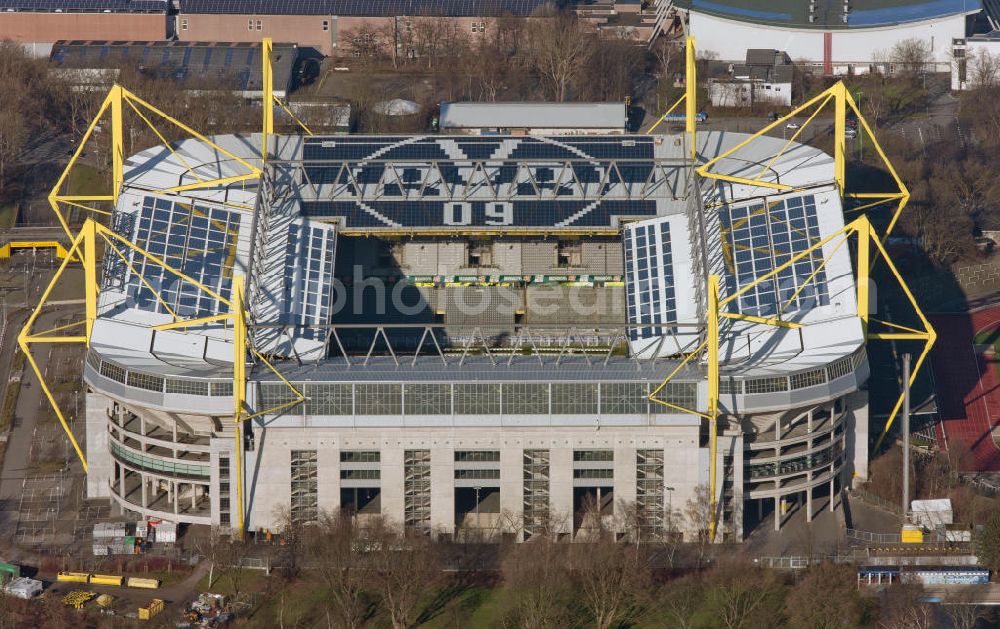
86,6
369,8
226,65
757,240
649,278
309,257
198,241
497,181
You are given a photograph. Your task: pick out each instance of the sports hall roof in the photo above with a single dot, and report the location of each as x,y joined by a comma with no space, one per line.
829,14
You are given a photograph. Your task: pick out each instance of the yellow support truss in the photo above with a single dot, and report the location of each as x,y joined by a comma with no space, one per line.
843,103
84,247
114,107
861,228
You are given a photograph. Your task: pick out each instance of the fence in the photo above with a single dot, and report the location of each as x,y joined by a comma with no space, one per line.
876,501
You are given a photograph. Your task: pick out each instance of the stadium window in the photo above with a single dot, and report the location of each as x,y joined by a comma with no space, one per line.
326,25
259,25
479,253
249,25
569,254
184,24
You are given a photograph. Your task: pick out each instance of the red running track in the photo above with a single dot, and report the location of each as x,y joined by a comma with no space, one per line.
968,388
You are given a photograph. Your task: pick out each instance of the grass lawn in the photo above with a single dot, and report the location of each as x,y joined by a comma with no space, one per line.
87,179
8,215
990,336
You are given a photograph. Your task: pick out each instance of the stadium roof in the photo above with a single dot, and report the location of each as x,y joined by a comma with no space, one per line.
829,13
86,6
533,115
369,8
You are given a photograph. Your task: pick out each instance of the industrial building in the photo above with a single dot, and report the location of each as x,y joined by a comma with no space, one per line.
474,335
232,67
325,23
38,24
533,118
841,36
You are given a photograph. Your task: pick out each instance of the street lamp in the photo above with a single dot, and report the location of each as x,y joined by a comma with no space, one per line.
477,488
861,136
670,510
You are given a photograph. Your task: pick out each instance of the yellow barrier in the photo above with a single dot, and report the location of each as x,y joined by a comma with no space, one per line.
33,244
106,579
76,577
146,584
155,607
912,536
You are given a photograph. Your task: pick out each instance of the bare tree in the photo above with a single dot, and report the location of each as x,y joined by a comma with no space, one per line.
698,517
742,594
965,610
680,601
902,609
826,598
343,568
535,576
984,69
910,57
559,47
611,578
404,566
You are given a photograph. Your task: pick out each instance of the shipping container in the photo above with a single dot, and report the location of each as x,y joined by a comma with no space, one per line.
106,579
155,607
144,583
76,577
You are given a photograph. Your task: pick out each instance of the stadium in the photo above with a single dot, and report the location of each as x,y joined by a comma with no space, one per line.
476,336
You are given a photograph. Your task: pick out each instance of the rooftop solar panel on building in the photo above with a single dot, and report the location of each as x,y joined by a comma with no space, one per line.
757,240
309,256
89,6
368,8
649,273
198,241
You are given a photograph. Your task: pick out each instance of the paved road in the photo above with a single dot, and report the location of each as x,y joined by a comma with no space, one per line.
19,441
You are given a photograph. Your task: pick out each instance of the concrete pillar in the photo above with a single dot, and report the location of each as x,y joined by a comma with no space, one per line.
777,513
625,479
443,489
142,480
561,489
809,499
194,496
392,485
760,509
833,479
96,446
512,485
177,488
328,469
